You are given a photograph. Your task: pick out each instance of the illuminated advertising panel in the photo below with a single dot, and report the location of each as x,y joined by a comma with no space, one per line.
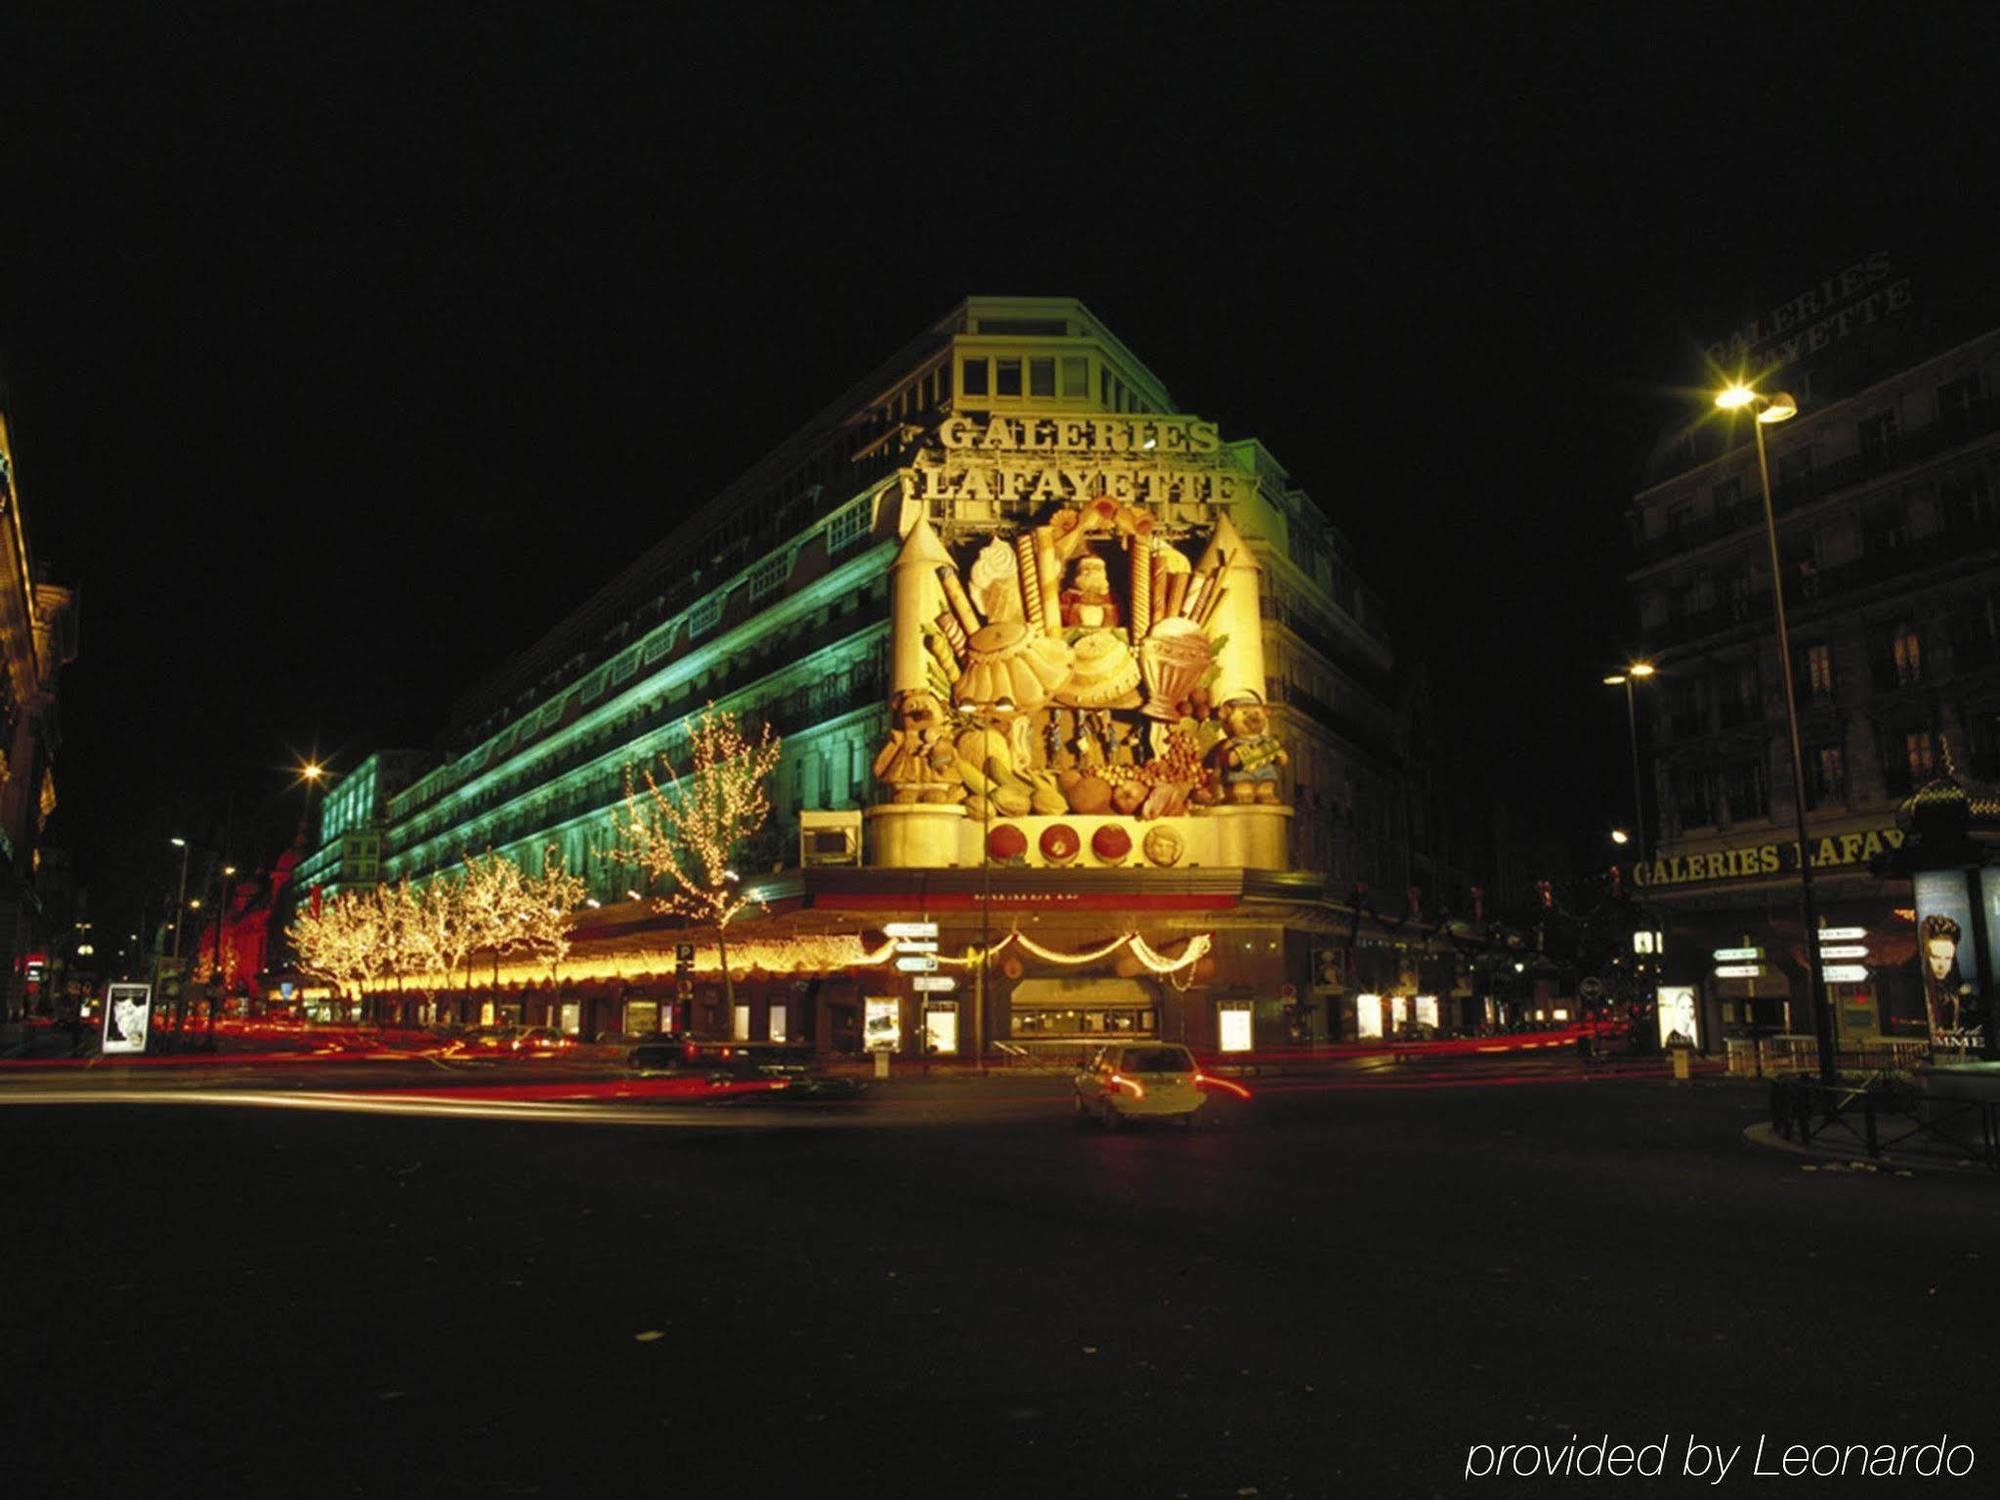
1948,960
1234,1028
882,1029
941,1029
1368,1016
128,1015
1680,1018
1427,1011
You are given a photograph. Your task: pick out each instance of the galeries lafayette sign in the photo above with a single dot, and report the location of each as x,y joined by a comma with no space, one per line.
1760,861
1041,458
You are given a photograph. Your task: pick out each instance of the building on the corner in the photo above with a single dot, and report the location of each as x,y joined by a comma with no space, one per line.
37,639
1009,519
1884,488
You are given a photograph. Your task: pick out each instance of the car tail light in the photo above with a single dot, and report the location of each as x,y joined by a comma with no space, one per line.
1126,1083
1202,1080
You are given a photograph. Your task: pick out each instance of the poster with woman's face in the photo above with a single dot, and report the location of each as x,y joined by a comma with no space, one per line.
1947,961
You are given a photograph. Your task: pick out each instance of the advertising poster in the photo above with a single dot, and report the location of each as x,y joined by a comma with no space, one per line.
128,1015
882,1026
1948,961
1680,1018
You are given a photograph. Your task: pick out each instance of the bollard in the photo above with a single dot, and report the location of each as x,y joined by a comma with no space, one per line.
882,1062
1680,1064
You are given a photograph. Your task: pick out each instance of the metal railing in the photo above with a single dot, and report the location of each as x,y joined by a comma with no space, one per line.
1881,1114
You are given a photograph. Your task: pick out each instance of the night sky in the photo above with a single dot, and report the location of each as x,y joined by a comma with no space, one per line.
344,354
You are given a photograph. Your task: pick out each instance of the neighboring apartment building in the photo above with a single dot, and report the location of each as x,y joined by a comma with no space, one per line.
1884,487
778,600
37,639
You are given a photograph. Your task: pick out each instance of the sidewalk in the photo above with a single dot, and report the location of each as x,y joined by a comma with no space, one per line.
1835,1156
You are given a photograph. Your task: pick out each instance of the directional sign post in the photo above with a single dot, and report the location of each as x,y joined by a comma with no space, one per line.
917,963
933,984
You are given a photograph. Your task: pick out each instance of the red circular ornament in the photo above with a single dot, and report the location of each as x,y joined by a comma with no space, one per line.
1006,842
1111,843
1060,844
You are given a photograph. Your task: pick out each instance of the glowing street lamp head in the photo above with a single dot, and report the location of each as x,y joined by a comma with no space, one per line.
1778,407
1642,669
1620,836
312,770
1616,679
178,843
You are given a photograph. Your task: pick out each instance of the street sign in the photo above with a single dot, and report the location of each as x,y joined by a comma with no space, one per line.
683,955
916,945
1842,934
1843,950
1845,973
1740,971
917,963
1737,955
910,929
686,989
1591,987
128,1013
935,984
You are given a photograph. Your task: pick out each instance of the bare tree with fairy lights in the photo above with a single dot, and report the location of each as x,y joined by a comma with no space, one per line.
686,831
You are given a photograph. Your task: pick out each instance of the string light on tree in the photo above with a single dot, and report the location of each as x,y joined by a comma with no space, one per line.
687,833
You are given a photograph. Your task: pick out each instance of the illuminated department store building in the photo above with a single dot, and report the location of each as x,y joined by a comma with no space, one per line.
1052,662
1884,488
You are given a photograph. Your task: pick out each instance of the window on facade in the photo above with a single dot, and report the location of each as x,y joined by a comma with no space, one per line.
1984,730
1042,377
1728,494
847,527
1973,635
1885,525
1819,672
1906,653
1917,755
1075,376
1747,787
1826,776
1006,377
1877,433
972,377
1795,468
1957,397
1680,518
770,575
1965,500
1698,597
1689,789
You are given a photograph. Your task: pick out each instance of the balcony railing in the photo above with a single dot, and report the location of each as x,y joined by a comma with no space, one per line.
1919,443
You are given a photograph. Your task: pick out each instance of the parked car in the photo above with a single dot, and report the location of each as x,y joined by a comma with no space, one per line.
1139,1080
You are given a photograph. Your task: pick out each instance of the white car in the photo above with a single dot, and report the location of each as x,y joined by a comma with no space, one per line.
1140,1080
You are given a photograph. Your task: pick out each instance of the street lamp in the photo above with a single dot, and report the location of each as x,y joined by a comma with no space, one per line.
1770,410
180,901
1637,671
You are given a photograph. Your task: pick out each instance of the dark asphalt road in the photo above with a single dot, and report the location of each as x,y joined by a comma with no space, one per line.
1325,1294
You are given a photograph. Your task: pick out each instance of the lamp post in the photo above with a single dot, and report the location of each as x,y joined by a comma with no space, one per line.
1637,671
1768,411
180,901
